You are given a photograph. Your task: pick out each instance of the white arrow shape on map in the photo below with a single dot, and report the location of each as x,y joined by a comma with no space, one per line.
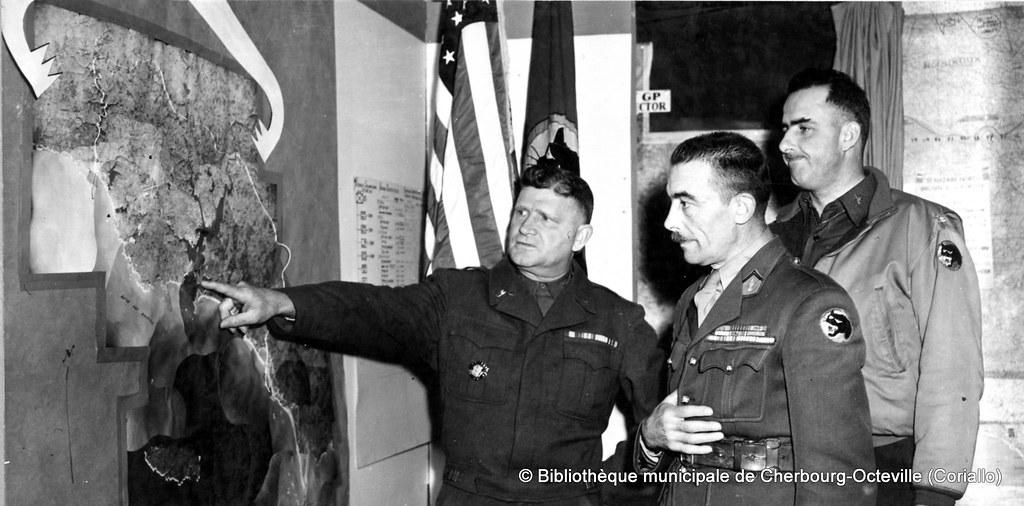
225,24
32,64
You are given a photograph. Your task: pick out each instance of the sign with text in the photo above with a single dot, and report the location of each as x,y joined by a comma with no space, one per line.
653,101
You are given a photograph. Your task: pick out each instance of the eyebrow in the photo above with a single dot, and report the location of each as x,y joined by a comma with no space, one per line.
680,195
796,122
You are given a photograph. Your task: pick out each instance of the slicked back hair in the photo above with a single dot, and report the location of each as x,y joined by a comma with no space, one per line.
843,93
738,162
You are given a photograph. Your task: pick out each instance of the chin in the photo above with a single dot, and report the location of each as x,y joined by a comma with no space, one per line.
518,258
693,258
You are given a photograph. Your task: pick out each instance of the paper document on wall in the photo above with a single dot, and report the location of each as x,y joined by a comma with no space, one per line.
388,222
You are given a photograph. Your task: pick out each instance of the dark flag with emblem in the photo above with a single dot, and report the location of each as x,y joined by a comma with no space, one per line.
473,162
551,95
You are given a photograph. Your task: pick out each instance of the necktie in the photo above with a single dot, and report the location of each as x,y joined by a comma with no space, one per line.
708,294
545,299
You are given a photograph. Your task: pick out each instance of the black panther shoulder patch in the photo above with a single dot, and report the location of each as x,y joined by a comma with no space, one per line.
950,255
835,324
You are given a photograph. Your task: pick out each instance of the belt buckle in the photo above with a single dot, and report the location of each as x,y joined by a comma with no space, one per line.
751,455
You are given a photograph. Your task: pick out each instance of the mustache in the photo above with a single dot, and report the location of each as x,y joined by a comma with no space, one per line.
676,237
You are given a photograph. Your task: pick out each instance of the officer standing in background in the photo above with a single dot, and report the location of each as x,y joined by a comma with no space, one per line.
904,263
529,356
766,356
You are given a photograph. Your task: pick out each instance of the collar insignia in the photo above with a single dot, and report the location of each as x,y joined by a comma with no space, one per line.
752,284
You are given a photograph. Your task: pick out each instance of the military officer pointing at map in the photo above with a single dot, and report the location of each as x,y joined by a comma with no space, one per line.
766,356
529,356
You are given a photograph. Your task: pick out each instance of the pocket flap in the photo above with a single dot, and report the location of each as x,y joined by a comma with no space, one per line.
487,337
595,355
729,359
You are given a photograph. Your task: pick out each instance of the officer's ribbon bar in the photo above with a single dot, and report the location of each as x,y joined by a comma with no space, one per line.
757,334
590,336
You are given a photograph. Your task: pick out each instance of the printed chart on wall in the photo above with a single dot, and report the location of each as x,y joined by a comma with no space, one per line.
389,218
964,135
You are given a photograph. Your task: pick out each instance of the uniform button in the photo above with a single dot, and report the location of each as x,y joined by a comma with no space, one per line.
693,360
728,368
796,261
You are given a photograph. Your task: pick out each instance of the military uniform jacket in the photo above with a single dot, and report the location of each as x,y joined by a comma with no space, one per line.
914,283
518,390
779,355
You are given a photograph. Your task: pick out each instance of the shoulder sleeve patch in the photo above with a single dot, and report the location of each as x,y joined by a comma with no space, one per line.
950,255
835,324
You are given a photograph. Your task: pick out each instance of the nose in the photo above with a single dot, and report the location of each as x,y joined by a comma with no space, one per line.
786,145
528,224
672,219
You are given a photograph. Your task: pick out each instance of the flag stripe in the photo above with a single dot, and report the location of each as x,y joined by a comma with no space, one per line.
442,117
472,166
456,210
482,78
435,234
495,38
465,130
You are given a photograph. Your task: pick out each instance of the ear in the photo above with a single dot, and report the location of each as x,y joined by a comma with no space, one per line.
583,233
743,207
849,135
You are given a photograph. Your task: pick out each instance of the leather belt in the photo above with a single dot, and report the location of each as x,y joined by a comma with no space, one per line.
739,454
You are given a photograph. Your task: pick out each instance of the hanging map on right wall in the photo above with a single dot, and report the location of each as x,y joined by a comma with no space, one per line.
964,148
964,138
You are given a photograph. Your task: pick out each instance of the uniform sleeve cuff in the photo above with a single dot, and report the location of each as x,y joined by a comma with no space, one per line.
650,457
932,497
284,327
281,325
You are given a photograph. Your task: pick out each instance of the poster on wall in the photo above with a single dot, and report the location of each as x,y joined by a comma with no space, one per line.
964,142
388,219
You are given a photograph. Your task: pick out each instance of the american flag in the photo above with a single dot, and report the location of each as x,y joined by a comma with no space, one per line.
473,162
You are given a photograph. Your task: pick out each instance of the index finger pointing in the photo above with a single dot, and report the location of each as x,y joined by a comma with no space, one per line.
221,288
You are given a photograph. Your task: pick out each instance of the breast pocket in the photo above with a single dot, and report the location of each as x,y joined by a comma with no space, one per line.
479,365
587,383
735,382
